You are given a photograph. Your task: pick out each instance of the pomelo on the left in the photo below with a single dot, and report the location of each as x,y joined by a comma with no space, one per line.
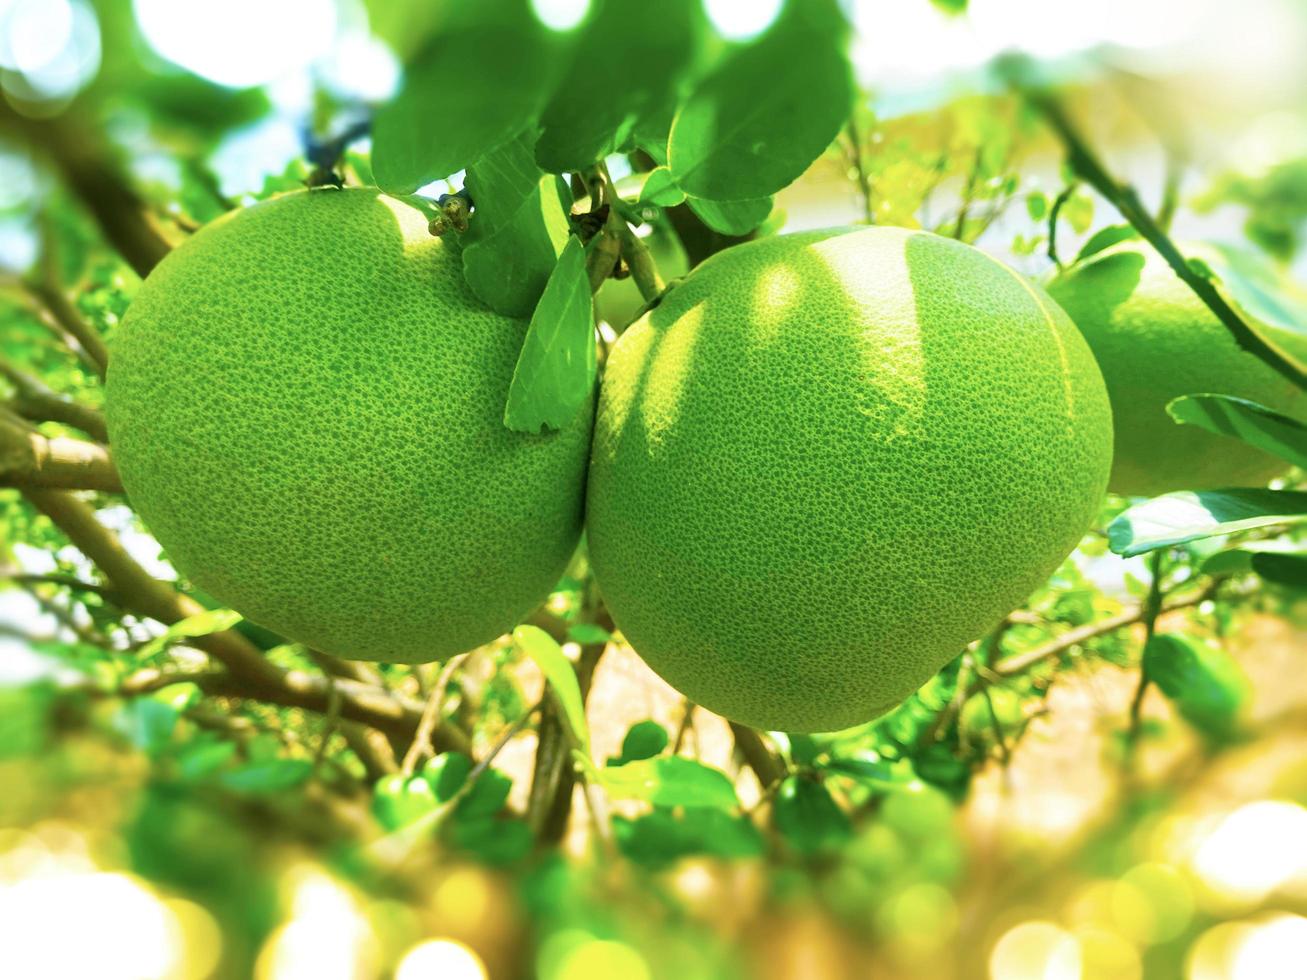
306,402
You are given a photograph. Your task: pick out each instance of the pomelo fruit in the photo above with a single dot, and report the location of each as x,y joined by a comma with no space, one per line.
828,461
306,402
1155,340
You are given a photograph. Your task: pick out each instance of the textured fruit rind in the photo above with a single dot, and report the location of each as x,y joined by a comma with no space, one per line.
828,461
1155,340
306,405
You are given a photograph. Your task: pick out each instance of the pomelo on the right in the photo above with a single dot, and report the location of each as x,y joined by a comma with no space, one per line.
1155,340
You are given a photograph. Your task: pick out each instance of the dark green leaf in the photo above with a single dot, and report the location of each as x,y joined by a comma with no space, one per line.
803,749
626,64
555,372
272,776
483,76
660,189
561,678
1207,685
669,781
1105,238
657,839
518,229
1177,518
487,795
1255,424
808,818
644,740
1282,568
732,217
494,842
446,773
756,122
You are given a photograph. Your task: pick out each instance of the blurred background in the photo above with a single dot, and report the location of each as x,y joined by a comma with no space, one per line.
1029,850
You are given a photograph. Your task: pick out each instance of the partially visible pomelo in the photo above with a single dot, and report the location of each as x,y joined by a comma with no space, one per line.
1155,340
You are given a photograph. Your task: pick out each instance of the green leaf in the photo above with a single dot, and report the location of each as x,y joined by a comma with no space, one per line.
1282,568
644,740
808,818
1281,562
487,795
517,231
660,189
669,781
273,776
1207,685
803,749
555,373
1254,424
1274,307
446,773
770,108
493,842
397,802
951,7
561,678
482,77
732,217
1105,238
1037,205
201,624
1177,518
868,765
204,759
149,724
656,839
627,62
588,633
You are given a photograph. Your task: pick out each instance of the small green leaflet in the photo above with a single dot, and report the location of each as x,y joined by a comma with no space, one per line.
485,73
644,740
1207,685
627,62
660,189
273,776
756,122
1281,562
588,633
561,678
1105,238
807,817
1255,424
201,624
555,372
1177,518
669,781
518,228
732,217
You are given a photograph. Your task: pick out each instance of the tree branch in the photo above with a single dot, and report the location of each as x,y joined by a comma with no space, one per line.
90,171
1020,662
29,459
38,403
759,757
1126,200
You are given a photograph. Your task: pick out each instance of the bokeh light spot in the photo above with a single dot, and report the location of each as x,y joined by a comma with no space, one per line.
441,959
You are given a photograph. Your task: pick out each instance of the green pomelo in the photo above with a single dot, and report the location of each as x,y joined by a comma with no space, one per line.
827,461
306,404
1155,340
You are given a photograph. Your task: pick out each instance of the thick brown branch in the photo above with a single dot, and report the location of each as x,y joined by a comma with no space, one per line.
38,403
29,459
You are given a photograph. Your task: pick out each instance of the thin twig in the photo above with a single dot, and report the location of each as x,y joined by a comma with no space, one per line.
430,715
1152,607
1124,198
36,402
1053,213
860,169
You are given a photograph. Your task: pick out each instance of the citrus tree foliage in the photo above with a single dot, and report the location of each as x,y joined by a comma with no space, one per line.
228,748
